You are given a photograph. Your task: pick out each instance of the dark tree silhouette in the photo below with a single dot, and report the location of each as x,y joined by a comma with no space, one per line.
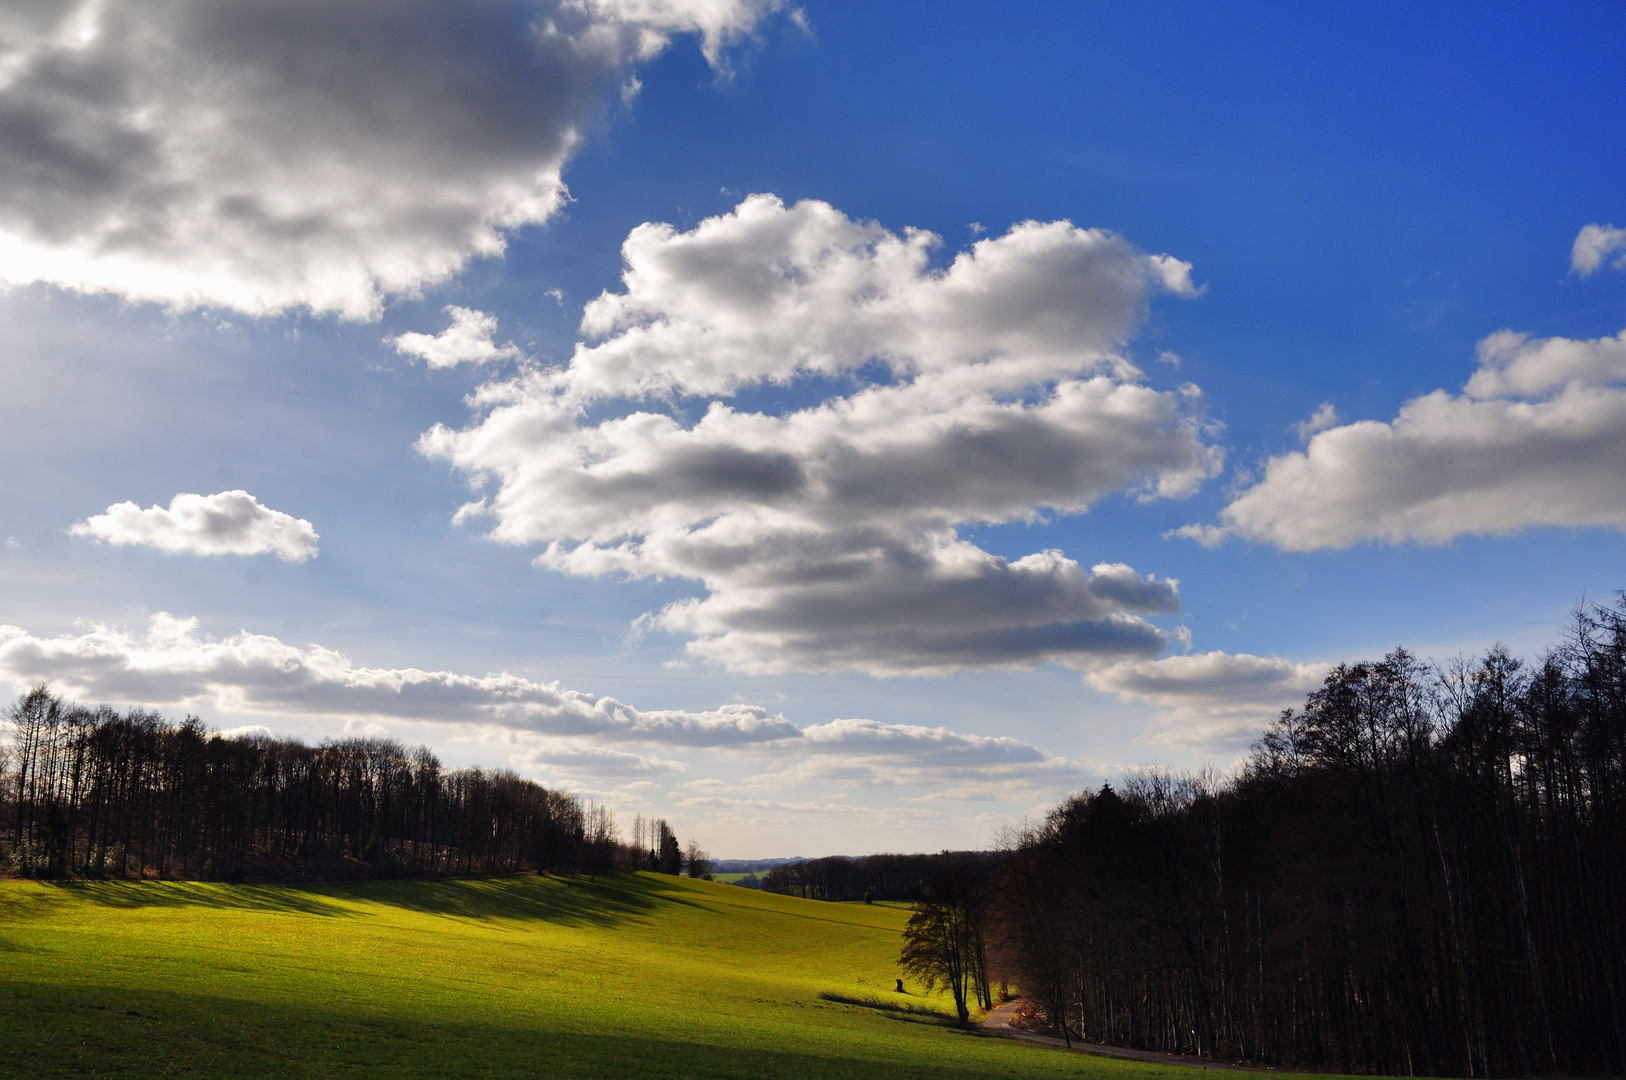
1421,871
697,860
668,853
97,792
944,942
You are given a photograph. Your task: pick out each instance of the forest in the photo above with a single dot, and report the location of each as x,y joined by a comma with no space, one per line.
102,793
1422,871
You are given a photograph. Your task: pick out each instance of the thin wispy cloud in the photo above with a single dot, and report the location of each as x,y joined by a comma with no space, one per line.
174,665
1215,702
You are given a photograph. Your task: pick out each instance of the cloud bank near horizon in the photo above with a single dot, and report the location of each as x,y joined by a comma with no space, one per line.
173,665
827,536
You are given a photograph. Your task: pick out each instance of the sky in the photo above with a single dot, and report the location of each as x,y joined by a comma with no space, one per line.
836,428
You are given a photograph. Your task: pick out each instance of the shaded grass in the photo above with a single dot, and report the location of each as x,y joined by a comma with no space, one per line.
631,975
923,1013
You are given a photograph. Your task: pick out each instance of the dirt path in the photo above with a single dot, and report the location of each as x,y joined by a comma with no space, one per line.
999,1022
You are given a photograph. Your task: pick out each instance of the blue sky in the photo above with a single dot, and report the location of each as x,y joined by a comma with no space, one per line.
210,280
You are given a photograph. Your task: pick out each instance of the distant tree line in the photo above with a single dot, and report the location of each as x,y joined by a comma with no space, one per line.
1420,872
871,877
99,792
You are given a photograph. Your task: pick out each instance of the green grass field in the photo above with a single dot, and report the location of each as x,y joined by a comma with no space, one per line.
625,976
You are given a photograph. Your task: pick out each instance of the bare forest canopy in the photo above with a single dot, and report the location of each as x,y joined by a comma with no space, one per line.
103,793
1420,872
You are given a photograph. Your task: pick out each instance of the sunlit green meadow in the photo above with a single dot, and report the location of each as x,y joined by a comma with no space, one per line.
628,975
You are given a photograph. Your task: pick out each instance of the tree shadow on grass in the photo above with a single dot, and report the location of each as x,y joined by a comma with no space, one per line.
186,894
897,1010
603,900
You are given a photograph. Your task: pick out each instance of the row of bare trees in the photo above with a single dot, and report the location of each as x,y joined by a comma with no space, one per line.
99,792
1420,872
655,847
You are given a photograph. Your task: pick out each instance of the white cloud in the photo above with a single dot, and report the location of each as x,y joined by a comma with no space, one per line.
468,340
1512,365
267,154
173,665
1323,418
227,523
1212,700
769,292
247,731
1538,437
826,536
1595,243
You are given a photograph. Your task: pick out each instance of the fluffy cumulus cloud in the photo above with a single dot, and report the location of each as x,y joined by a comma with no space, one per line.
470,339
266,154
1593,245
172,664
1536,437
227,523
1216,701
826,534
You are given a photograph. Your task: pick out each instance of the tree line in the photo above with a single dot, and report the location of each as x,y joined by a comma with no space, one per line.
99,792
871,877
1422,872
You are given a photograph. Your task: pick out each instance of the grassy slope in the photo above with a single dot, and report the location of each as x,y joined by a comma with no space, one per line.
640,975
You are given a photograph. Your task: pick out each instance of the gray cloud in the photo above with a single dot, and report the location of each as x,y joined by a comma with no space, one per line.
266,154
827,537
